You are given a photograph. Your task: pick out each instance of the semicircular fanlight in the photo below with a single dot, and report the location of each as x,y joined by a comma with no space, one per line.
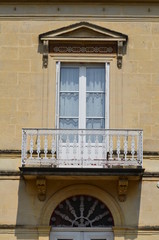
81,211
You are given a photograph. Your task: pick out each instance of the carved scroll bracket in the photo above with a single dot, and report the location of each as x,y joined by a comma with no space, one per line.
41,188
122,188
45,53
120,54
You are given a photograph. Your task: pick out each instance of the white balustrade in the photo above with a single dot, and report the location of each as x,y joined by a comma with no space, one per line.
82,148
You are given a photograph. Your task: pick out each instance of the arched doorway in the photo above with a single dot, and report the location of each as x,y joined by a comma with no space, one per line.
81,217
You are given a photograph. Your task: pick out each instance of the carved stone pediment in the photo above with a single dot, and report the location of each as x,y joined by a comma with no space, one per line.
84,38
83,32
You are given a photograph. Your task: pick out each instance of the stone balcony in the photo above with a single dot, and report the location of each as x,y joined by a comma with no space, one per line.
82,148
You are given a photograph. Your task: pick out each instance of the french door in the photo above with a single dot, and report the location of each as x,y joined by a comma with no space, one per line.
82,103
81,236
82,96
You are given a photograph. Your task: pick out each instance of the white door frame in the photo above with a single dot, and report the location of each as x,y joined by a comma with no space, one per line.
81,234
83,79
82,107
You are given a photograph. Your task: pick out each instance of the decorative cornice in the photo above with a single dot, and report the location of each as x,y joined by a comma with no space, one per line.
9,173
123,172
17,174
151,174
44,228
52,17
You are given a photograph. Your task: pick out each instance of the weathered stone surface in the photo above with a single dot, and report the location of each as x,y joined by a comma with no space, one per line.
28,99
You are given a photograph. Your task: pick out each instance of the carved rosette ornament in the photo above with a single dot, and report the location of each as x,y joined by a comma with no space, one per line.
122,189
41,188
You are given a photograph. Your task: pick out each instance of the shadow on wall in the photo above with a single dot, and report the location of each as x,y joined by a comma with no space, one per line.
28,211
131,210
32,213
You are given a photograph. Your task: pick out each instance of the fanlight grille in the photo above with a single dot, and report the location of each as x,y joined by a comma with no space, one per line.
81,211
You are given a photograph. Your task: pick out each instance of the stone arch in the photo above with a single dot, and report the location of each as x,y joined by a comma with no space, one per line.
84,189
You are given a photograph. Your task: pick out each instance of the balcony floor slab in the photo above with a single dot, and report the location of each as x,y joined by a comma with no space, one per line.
69,173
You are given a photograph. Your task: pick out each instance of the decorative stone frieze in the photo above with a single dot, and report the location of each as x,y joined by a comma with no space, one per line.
82,48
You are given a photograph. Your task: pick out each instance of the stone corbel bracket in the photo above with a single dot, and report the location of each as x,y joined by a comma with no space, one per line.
122,189
120,54
45,53
41,188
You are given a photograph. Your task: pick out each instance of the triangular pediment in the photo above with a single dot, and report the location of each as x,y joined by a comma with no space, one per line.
83,30
84,38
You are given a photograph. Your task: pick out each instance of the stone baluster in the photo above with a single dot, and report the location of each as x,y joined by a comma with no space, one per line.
132,147
118,147
125,147
97,149
45,147
38,147
74,147
140,148
24,147
53,147
31,146
111,147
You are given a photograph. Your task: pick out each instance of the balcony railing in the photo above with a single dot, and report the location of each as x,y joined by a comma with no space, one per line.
62,148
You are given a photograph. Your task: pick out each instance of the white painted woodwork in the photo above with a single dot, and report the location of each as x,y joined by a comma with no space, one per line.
81,235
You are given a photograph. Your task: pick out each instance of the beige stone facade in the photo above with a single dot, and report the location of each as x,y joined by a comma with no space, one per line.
28,100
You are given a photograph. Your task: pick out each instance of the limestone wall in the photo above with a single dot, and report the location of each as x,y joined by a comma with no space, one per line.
135,218
27,99
25,86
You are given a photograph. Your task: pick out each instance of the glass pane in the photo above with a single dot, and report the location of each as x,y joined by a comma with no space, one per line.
69,103
98,239
93,214
92,123
68,123
69,79
95,79
65,239
95,105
